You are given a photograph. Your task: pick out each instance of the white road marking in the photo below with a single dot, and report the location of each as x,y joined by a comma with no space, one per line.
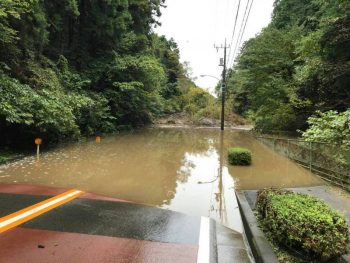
204,241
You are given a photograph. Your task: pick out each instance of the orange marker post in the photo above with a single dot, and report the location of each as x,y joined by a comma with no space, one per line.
98,139
38,142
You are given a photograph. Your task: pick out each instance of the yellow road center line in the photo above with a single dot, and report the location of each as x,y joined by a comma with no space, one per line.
24,215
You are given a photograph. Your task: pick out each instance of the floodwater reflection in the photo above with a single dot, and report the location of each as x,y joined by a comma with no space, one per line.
179,169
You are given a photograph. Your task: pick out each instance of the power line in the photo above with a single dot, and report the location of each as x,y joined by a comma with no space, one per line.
245,24
240,30
246,21
234,29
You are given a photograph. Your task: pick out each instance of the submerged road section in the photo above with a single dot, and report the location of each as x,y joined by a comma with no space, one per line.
41,224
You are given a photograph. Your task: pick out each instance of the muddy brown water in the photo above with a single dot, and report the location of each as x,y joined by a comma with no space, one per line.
183,170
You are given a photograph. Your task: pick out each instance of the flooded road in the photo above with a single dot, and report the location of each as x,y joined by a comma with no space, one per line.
183,170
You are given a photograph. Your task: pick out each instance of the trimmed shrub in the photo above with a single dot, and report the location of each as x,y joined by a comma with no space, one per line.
303,223
239,156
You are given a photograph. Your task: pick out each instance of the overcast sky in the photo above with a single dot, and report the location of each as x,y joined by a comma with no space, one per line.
196,25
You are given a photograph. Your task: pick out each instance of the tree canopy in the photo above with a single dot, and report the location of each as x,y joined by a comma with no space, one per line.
81,67
298,64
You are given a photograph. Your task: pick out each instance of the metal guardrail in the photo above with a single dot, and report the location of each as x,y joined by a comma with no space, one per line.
327,160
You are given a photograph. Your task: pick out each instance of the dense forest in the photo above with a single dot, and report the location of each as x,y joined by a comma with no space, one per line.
81,67
297,67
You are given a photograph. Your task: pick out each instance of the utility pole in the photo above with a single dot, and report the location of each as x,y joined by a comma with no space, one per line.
223,85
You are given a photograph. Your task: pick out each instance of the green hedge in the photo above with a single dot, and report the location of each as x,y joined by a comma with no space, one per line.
239,156
303,223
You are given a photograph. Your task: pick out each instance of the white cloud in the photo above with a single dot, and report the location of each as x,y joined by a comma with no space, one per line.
197,24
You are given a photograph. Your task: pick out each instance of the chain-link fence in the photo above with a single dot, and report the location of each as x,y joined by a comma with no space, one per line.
330,161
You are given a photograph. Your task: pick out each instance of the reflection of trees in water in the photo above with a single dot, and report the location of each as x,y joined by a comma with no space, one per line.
172,148
157,158
180,144
143,166
185,140
185,170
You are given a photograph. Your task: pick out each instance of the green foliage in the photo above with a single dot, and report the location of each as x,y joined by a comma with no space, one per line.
261,82
273,114
199,104
303,223
84,67
7,156
239,156
298,64
329,126
44,111
11,9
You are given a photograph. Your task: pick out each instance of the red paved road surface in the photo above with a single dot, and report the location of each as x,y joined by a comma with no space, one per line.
21,245
29,244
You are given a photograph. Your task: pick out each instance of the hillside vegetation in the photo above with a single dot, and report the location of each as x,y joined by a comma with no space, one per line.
80,67
297,67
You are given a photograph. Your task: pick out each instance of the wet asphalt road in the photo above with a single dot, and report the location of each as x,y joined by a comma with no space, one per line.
94,228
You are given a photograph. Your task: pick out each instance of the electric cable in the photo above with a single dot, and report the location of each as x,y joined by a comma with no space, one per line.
234,30
244,28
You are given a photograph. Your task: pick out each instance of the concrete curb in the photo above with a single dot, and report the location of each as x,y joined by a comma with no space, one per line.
259,245
213,242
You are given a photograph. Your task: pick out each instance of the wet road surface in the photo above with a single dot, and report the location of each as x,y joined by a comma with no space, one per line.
93,228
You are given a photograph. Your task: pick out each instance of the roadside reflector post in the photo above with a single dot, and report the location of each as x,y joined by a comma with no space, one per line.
38,142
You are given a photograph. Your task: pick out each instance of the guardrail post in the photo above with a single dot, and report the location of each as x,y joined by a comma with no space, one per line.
310,152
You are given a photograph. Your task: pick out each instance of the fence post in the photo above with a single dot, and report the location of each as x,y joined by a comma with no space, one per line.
310,151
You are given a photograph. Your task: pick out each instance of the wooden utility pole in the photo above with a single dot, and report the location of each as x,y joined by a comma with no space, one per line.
223,84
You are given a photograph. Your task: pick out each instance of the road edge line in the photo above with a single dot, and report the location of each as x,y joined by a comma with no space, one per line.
14,219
